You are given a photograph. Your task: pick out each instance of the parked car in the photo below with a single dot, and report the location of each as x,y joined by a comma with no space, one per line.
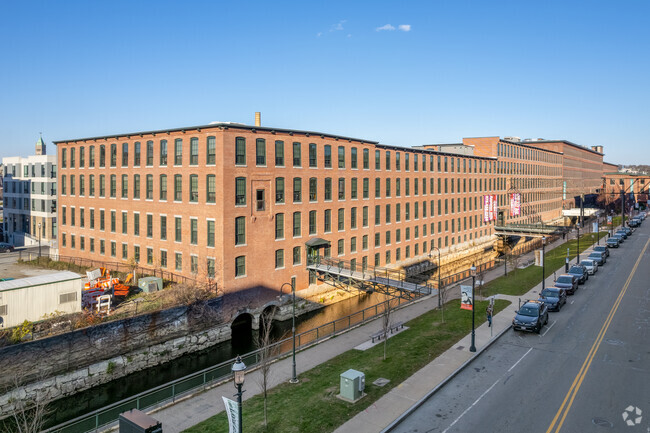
619,238
579,271
591,265
621,234
602,249
567,282
532,316
634,222
612,242
5,247
553,297
628,231
599,257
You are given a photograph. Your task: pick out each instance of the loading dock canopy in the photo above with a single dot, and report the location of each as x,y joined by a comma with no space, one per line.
317,243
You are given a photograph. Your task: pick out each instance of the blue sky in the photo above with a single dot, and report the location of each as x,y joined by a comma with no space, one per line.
556,69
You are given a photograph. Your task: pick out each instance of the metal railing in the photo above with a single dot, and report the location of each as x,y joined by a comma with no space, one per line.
214,375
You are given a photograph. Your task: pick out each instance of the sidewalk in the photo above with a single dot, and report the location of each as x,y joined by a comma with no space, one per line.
193,410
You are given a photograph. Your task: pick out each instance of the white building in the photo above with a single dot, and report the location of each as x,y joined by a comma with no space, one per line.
35,297
30,198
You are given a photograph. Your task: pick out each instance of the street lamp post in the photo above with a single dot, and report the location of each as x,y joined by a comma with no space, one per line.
543,262
439,286
39,240
578,250
294,378
238,369
472,347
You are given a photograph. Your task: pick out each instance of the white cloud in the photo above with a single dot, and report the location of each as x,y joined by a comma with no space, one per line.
385,27
338,26
319,34
404,27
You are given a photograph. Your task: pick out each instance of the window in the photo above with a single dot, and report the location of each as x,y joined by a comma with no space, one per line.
341,188
163,187
279,153
125,251
163,227
149,255
178,261
297,256
178,151
260,199
240,231
353,188
279,226
328,156
125,186
260,151
101,219
113,155
136,186
178,229
194,264
297,159
63,185
194,188
150,155
240,191
163,258
312,155
102,246
114,249
211,151
240,151
125,154
125,226
327,228
91,186
211,268
136,224
149,225
364,218
178,187
366,187
64,157
353,218
340,247
112,220
353,158
194,151
149,186
136,154
313,189
102,155
341,157
297,190
194,231
210,232
377,215
279,259
297,224
211,188
328,189
163,154
366,159
341,219
240,266
312,222
102,185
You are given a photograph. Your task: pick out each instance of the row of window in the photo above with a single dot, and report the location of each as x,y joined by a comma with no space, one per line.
391,158
23,187
132,154
240,261
32,170
134,221
193,193
208,269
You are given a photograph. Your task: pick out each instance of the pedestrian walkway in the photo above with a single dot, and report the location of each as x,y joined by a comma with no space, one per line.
195,409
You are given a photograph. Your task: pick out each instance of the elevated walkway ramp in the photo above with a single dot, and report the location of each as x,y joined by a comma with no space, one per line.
529,229
344,274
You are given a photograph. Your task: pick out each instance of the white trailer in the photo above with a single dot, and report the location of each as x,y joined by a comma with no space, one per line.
35,297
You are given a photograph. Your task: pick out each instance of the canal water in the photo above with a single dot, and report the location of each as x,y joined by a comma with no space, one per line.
95,398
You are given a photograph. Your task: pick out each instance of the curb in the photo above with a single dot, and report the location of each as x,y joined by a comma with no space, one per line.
429,394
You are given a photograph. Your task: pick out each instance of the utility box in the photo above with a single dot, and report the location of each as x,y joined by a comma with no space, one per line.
135,421
353,383
150,284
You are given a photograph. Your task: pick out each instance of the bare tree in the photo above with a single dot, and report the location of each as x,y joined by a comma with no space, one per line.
385,321
26,414
267,352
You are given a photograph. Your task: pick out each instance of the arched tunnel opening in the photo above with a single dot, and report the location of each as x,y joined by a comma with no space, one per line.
242,333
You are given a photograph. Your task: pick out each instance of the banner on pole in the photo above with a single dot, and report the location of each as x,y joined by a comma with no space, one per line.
466,300
609,220
232,412
515,204
489,208
539,258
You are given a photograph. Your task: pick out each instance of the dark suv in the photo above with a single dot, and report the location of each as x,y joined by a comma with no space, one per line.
567,282
602,249
532,316
580,272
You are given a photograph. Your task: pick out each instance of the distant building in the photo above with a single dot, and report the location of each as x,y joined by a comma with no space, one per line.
30,191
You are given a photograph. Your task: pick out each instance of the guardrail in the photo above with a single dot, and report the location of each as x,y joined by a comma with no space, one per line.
172,391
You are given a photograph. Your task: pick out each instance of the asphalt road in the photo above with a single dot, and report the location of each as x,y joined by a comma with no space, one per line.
590,363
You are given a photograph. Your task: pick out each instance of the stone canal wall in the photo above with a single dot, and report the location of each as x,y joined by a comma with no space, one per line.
62,365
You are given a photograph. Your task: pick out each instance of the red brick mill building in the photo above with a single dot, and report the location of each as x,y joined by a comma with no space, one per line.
240,202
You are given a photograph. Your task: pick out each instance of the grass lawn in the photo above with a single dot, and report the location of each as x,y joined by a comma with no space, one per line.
520,281
312,406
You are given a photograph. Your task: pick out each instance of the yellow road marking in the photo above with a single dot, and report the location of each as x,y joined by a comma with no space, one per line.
577,382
